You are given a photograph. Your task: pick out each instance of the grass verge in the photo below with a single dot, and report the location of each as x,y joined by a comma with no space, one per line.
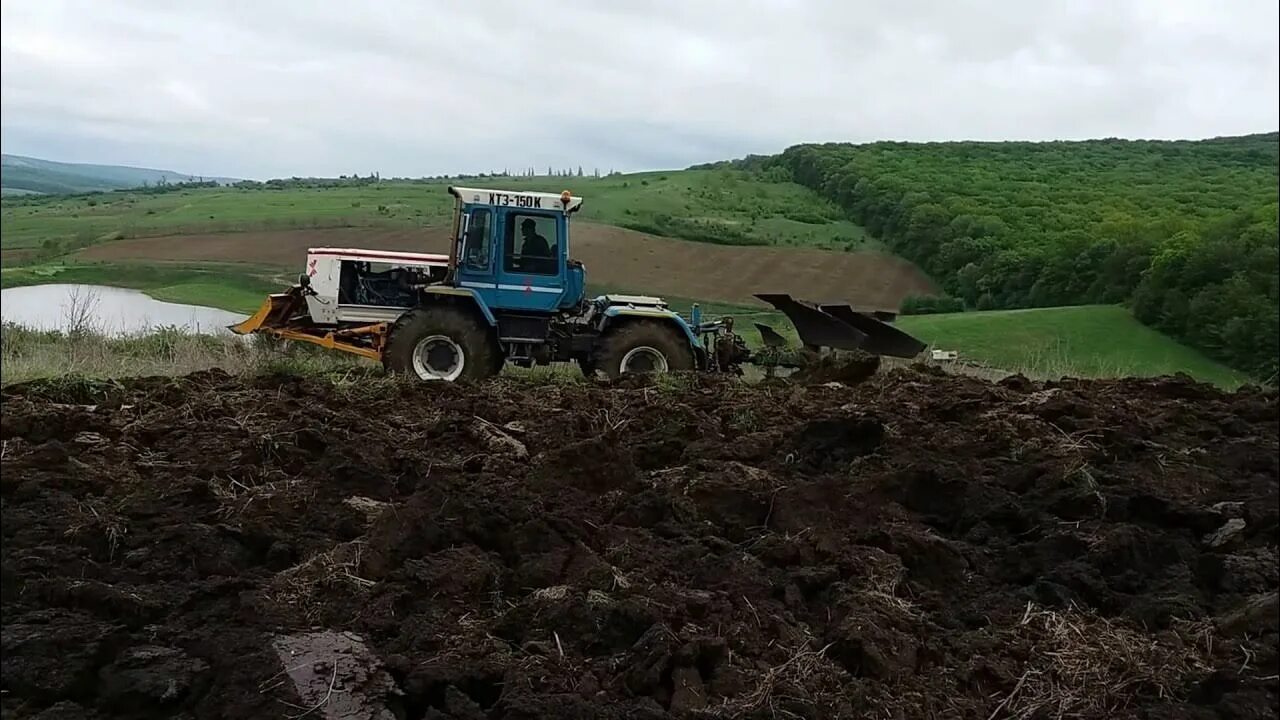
27,354
1091,341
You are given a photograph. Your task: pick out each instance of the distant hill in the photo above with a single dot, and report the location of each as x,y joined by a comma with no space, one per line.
21,175
1184,232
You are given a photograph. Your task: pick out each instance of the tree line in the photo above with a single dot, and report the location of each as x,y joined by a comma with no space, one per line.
1184,232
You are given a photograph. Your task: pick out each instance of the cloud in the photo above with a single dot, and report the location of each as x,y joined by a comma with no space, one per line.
280,87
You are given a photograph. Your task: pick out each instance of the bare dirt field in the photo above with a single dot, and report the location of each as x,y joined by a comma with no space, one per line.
916,546
15,255
614,257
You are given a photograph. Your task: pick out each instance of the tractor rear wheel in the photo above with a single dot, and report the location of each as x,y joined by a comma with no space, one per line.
644,347
440,344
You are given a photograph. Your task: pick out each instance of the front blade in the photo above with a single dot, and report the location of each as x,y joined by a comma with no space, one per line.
881,338
815,327
274,313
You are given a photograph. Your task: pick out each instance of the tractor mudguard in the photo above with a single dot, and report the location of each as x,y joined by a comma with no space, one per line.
464,292
616,311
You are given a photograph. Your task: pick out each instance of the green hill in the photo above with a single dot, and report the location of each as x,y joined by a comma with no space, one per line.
1184,231
24,175
729,207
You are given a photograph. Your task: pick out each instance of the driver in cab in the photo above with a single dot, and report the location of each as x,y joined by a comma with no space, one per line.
535,252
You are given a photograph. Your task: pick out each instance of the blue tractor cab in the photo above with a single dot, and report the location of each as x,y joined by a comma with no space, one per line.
513,249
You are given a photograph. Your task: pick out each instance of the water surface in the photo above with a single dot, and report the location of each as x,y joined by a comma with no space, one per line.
110,310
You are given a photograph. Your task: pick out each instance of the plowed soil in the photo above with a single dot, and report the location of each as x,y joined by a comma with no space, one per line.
916,546
614,257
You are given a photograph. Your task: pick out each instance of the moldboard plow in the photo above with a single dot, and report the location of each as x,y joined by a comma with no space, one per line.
839,327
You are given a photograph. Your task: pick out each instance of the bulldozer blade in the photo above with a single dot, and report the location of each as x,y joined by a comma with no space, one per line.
770,336
276,312
815,327
881,338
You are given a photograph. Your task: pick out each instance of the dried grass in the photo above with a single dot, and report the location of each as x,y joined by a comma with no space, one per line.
299,586
803,664
89,520
1088,666
237,496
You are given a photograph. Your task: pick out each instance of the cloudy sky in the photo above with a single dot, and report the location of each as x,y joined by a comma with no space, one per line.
264,88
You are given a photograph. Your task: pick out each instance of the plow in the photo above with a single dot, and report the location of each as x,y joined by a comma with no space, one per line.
509,292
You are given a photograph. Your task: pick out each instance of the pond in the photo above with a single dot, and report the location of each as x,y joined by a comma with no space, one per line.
110,310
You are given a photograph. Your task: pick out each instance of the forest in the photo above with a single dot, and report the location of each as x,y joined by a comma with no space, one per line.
1183,232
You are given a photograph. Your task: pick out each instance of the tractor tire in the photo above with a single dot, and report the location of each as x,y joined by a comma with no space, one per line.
441,344
643,346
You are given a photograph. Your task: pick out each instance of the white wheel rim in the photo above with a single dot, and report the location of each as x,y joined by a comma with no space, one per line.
637,358
438,357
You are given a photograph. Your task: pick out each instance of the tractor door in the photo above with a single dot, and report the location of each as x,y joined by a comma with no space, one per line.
477,262
531,269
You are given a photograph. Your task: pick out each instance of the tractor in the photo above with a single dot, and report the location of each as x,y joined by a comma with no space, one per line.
508,292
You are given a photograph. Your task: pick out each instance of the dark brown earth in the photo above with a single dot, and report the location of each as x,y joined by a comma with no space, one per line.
919,545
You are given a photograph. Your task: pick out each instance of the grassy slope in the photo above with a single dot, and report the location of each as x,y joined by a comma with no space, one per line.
49,176
52,181
690,203
227,288
1082,341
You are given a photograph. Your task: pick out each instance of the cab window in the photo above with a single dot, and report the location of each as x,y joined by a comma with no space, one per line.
475,242
530,243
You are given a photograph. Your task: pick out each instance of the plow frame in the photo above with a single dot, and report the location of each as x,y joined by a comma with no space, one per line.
284,316
339,339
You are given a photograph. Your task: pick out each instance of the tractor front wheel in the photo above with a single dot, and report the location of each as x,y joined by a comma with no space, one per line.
644,347
440,344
